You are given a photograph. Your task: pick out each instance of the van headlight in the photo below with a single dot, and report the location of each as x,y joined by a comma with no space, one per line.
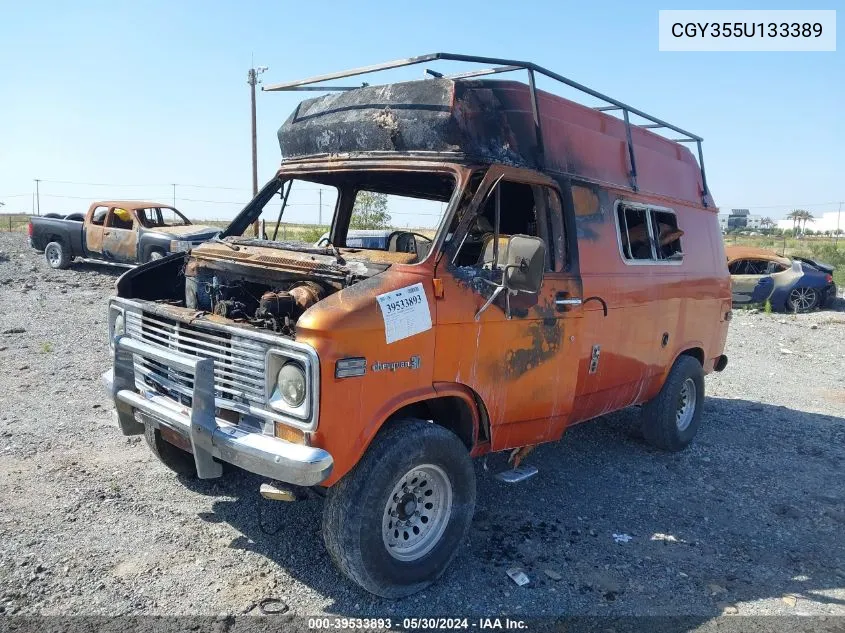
117,326
291,384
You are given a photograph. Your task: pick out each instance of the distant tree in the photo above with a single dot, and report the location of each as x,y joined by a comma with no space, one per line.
767,223
808,232
789,232
795,215
370,211
806,216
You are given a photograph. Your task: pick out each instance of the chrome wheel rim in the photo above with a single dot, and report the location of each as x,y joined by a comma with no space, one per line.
686,405
417,512
52,255
802,298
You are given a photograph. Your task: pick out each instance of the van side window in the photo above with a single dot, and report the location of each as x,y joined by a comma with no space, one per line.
647,234
667,235
523,210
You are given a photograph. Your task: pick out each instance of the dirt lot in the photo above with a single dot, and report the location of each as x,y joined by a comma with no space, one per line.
749,520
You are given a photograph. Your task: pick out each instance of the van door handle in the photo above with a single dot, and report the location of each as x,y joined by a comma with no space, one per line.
564,301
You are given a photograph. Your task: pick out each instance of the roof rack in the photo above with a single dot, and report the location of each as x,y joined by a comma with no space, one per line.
504,66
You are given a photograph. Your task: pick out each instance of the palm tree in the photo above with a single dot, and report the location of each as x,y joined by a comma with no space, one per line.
767,223
795,216
806,216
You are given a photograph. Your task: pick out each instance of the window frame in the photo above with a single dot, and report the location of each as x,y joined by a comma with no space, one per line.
108,224
647,208
93,222
544,194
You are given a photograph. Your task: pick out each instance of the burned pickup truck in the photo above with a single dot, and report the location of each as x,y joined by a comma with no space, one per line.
123,232
576,268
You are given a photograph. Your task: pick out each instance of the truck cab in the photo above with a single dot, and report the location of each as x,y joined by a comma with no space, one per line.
574,266
121,232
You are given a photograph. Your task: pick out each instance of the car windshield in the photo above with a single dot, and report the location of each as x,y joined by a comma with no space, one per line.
397,212
154,217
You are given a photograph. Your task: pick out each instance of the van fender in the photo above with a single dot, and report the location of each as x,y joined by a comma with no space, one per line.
421,396
692,348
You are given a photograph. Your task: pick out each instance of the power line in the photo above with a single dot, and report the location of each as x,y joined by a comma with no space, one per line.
781,206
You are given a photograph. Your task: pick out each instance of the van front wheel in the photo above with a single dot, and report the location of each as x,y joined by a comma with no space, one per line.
395,522
670,420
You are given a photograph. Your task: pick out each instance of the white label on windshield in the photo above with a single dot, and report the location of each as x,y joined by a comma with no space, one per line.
405,312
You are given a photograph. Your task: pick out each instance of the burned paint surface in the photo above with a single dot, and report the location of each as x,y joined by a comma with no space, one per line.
484,121
546,337
527,371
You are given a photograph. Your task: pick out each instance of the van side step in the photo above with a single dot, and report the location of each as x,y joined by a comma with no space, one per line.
515,475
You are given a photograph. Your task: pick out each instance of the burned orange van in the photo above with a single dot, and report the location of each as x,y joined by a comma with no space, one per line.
545,263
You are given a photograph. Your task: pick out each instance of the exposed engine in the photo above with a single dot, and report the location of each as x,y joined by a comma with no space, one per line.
273,308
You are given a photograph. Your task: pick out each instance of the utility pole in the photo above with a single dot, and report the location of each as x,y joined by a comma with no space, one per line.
174,194
320,212
37,196
252,80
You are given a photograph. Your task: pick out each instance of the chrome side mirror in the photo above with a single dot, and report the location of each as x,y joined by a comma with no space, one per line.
525,264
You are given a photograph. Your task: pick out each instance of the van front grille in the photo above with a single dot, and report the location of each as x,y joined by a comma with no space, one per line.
238,361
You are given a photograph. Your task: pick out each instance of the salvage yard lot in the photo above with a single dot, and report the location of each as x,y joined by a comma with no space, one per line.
749,520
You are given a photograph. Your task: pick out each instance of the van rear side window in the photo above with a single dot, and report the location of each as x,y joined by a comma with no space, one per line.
648,235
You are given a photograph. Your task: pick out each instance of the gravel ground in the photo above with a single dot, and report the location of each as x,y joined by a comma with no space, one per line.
749,520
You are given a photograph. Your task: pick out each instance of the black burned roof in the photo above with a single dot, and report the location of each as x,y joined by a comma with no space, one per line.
427,116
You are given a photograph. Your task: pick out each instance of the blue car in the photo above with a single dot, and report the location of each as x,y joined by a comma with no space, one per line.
792,285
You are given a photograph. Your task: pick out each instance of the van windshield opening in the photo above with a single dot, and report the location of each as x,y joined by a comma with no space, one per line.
394,212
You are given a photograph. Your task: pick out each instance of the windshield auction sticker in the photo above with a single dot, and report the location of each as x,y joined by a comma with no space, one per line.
747,30
405,312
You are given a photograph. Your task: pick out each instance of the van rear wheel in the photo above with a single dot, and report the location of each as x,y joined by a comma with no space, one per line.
395,522
670,420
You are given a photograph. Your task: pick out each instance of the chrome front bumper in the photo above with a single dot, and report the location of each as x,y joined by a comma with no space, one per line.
210,437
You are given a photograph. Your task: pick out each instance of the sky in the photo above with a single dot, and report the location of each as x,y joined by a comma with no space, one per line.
119,99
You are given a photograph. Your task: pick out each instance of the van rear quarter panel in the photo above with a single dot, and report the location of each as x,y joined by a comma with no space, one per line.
686,301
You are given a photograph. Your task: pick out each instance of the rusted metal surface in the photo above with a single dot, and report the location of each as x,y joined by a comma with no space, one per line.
490,121
734,253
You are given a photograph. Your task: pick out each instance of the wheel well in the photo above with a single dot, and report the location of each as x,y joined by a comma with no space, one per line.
153,249
696,352
56,238
450,412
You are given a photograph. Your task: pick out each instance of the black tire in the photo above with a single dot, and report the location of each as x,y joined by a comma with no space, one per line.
155,254
53,215
356,509
663,424
57,255
177,460
802,299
